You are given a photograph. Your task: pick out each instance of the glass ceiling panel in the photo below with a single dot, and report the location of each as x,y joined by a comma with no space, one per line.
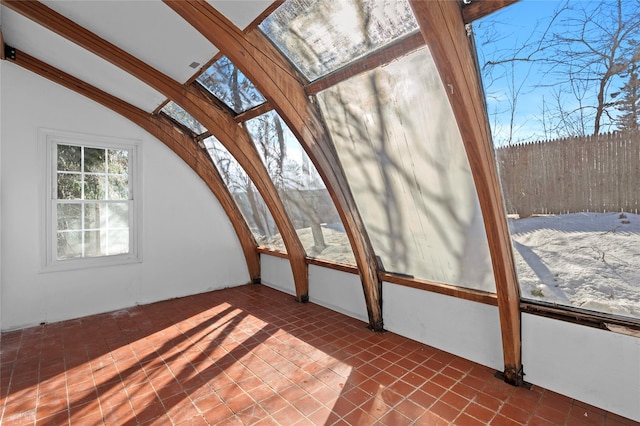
303,192
563,98
402,152
176,112
246,196
320,36
228,84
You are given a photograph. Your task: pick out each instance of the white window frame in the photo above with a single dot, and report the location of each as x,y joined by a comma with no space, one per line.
48,141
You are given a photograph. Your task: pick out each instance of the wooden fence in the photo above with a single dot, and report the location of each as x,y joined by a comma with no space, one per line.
594,173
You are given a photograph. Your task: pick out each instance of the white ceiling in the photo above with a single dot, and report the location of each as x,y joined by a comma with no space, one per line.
149,30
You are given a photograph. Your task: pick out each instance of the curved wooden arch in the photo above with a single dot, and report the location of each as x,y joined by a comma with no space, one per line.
276,79
220,123
165,131
442,26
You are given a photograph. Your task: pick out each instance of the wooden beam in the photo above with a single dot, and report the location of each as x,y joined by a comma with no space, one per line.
443,29
370,62
280,83
164,130
480,8
253,112
1,45
221,124
441,288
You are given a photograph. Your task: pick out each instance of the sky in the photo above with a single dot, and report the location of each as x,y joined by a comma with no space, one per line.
521,24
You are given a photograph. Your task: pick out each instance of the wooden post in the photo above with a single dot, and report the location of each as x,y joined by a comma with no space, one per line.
443,29
276,79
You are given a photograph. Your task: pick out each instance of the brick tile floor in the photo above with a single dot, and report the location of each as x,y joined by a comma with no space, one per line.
251,355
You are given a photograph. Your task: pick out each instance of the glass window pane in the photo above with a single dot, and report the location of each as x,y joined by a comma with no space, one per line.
95,187
94,216
69,216
93,243
118,161
320,36
69,186
402,152
246,196
94,160
69,158
306,199
567,146
69,245
228,84
118,188
176,112
118,215
118,241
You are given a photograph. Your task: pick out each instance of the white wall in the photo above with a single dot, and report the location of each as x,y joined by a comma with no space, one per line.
333,289
462,327
275,272
188,244
595,366
337,290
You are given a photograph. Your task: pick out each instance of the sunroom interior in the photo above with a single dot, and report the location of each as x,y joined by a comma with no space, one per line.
419,212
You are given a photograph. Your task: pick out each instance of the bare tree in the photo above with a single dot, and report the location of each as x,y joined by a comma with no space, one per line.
577,54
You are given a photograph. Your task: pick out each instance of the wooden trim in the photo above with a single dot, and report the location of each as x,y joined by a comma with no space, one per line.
184,129
272,252
1,45
443,29
480,8
351,269
281,84
253,112
268,11
578,315
440,288
179,141
220,123
380,57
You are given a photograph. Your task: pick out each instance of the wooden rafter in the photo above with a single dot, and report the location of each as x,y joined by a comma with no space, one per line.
480,8
443,29
164,130
280,83
370,62
220,123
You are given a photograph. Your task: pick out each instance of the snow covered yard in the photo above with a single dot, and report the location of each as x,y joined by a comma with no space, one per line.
587,260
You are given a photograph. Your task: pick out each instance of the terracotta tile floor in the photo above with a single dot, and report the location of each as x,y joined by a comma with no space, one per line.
251,355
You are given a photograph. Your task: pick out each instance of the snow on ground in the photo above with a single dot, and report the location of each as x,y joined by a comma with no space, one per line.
587,260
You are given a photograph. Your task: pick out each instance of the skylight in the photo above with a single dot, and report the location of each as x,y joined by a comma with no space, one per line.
176,112
227,83
321,36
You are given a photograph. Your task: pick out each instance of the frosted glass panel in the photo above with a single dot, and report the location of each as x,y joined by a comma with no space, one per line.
246,196
401,150
301,189
320,36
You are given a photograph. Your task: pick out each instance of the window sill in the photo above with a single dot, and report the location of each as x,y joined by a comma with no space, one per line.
90,263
